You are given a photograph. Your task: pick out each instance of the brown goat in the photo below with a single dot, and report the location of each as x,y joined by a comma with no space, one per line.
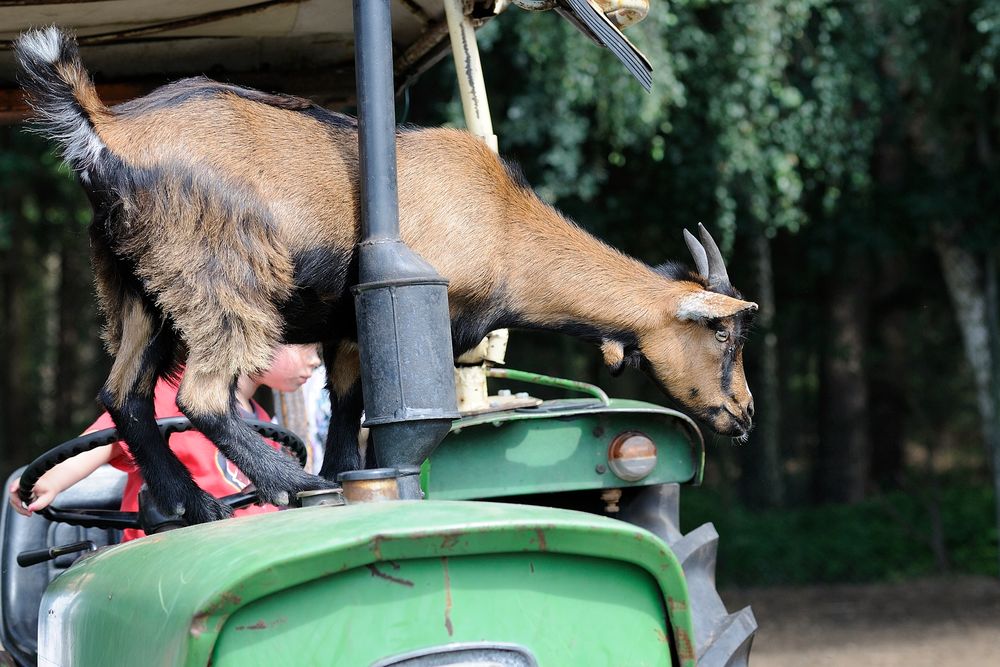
226,221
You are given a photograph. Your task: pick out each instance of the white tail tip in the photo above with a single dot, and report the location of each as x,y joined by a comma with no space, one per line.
45,44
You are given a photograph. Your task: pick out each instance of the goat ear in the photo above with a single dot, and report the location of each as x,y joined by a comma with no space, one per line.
705,305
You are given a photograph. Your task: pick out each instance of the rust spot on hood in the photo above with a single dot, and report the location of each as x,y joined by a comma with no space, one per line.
259,625
225,599
388,577
447,597
199,623
542,545
262,624
377,545
685,647
449,540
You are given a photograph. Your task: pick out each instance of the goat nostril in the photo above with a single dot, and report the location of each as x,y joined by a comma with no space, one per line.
750,410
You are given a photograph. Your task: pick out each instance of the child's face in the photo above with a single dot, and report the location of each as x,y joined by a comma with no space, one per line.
292,366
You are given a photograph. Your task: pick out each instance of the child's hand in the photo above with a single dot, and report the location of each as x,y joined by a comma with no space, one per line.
42,497
14,499
61,477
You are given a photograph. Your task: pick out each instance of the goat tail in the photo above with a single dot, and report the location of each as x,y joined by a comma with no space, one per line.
60,91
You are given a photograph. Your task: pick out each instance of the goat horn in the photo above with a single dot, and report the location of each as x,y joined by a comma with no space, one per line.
698,252
717,274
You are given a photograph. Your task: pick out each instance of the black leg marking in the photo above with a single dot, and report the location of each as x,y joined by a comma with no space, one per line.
277,477
170,483
342,439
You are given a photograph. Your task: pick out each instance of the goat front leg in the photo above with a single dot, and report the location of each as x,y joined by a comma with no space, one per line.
128,397
207,399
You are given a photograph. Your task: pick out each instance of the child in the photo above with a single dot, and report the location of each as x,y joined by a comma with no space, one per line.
291,367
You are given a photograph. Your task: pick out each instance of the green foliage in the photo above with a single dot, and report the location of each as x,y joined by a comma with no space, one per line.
884,538
986,19
759,110
942,57
767,113
560,92
791,118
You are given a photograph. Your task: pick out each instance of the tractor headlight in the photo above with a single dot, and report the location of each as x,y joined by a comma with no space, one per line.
632,456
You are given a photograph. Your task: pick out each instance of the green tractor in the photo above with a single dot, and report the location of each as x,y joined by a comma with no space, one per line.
537,532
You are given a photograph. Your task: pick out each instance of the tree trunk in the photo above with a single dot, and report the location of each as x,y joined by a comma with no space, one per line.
844,451
762,482
888,407
993,329
12,401
972,286
8,345
993,336
966,284
69,315
889,370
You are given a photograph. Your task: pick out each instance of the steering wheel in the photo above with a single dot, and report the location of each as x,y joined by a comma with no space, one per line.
90,518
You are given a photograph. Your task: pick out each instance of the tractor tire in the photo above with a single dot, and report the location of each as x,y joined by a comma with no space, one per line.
721,639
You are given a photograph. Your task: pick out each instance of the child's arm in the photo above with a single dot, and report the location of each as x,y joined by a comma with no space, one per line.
63,476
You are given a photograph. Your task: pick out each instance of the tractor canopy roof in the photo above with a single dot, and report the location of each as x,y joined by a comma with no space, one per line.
302,47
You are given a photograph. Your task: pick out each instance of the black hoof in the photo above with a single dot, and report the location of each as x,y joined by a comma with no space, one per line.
282,492
204,508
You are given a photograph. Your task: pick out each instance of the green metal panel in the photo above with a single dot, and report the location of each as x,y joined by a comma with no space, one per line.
543,451
164,600
564,610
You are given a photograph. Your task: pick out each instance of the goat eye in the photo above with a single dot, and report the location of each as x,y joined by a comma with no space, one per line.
722,336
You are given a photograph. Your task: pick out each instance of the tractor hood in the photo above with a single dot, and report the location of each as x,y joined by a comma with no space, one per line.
428,573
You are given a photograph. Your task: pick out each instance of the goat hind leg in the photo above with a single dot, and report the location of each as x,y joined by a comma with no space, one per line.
342,452
128,397
343,379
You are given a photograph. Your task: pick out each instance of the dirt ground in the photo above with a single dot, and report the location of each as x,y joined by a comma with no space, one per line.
928,623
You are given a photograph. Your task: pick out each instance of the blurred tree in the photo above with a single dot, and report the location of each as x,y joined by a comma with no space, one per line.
943,58
50,359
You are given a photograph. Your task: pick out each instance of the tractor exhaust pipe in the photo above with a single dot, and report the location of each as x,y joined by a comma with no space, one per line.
404,327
